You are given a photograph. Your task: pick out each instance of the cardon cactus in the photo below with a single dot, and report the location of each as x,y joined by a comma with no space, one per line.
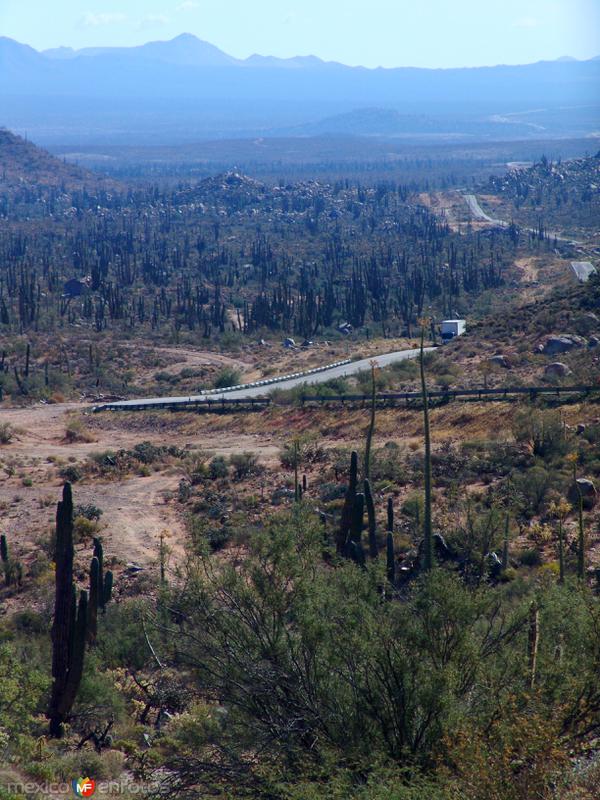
107,589
533,639
94,601
390,554
505,542
372,525
428,552
354,548
105,579
69,626
371,429
347,510
357,522
7,566
390,514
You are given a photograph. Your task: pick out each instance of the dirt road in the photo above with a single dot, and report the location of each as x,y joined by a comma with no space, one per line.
135,509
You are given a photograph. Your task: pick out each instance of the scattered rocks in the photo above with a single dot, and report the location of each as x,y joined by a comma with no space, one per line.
562,344
132,569
500,361
281,496
557,370
584,488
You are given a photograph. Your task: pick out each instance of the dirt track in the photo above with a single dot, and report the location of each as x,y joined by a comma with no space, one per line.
136,509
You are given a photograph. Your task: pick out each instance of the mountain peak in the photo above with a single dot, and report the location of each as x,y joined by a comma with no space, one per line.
186,37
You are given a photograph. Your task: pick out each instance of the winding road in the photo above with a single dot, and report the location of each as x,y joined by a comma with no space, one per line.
479,213
252,390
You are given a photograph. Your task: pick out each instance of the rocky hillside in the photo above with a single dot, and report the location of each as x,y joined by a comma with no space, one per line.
23,164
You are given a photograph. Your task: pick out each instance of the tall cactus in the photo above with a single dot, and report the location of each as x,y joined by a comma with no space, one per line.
6,565
533,640
107,588
105,579
505,542
559,511
371,429
354,547
358,513
347,510
373,549
297,489
69,627
428,556
580,538
94,601
390,555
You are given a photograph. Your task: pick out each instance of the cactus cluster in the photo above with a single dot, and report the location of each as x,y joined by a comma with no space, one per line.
349,534
100,590
75,621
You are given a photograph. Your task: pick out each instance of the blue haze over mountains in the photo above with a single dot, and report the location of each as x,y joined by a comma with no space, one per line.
185,90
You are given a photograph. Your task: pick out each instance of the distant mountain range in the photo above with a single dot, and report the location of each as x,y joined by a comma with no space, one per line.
186,89
188,50
185,50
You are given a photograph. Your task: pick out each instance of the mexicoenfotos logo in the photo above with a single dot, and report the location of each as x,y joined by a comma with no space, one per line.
83,787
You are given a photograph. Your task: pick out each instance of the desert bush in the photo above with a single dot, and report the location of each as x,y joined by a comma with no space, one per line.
218,468
75,431
543,430
6,433
351,664
84,529
244,464
530,558
147,453
228,376
88,510
71,473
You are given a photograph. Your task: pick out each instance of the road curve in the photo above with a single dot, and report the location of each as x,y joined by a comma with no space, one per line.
250,391
479,213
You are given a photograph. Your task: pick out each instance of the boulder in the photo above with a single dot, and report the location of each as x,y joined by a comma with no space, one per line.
562,344
500,361
593,341
557,370
584,488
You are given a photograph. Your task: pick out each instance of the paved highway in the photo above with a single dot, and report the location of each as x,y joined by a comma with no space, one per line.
479,213
252,390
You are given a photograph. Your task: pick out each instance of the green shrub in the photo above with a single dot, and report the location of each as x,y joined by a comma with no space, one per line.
71,473
218,468
228,376
6,433
88,510
530,558
244,464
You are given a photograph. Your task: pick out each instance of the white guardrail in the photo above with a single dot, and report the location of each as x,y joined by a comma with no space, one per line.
271,381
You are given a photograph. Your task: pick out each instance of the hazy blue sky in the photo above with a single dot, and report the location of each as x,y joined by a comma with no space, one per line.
425,33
